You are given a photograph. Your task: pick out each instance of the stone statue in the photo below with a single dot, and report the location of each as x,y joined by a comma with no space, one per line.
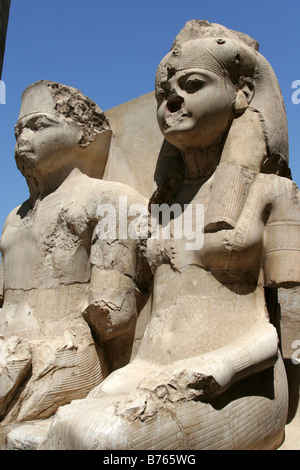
208,373
70,295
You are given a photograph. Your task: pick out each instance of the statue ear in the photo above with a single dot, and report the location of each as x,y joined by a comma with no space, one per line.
244,96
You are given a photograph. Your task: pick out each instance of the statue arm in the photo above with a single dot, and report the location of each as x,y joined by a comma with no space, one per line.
282,237
118,279
206,376
111,310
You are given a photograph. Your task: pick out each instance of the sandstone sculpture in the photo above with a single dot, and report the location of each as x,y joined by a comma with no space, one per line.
208,373
70,297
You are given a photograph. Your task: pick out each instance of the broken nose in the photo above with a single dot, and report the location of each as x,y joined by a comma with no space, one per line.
174,104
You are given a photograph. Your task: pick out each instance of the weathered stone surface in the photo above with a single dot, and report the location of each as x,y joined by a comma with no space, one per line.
289,300
290,339
26,436
183,332
15,364
132,160
60,276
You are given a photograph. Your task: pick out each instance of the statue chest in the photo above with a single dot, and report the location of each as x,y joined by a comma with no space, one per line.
183,241
48,247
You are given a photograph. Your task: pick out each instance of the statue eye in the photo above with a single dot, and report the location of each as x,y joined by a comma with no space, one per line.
43,122
193,84
159,95
17,131
40,124
162,92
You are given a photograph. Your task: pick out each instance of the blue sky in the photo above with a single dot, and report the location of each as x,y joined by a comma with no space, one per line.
110,51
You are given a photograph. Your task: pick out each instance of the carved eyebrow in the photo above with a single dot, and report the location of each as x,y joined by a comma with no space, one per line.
182,75
23,122
158,83
202,73
163,85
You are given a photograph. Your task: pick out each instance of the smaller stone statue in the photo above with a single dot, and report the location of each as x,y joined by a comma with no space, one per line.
70,296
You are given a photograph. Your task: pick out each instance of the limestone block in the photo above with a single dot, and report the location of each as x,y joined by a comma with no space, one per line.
136,143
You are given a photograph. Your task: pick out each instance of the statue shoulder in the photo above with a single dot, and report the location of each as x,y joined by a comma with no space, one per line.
282,235
116,193
278,189
17,214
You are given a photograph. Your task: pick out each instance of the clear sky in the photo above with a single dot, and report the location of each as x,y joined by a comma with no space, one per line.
110,50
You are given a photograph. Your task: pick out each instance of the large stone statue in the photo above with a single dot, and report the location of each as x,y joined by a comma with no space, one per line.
208,373
197,364
70,295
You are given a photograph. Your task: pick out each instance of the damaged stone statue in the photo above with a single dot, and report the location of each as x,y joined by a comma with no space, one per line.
208,373
70,302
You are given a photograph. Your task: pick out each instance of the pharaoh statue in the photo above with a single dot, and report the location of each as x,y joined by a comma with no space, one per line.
69,295
209,372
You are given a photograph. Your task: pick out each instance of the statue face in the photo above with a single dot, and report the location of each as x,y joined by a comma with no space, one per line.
45,139
195,108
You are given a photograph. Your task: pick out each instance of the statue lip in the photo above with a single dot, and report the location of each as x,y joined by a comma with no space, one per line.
23,152
23,148
174,119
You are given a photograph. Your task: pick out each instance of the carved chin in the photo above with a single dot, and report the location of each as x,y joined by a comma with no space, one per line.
172,120
26,161
25,155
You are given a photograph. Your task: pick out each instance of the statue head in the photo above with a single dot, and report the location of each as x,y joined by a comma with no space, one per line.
201,86
211,76
57,127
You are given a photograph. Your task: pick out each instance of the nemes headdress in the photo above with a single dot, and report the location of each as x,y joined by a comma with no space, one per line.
219,55
233,55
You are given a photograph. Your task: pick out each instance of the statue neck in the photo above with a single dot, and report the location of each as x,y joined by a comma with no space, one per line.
201,162
41,185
